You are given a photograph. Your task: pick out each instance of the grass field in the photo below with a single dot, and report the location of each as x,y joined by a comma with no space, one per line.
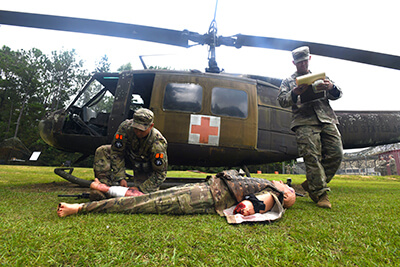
362,229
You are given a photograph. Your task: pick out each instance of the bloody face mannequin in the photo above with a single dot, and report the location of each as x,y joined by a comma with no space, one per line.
246,207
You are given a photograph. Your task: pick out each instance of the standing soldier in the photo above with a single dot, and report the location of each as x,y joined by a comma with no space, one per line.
137,145
288,169
392,165
314,122
382,166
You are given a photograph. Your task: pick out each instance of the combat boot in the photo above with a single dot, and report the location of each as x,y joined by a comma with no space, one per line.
323,201
312,196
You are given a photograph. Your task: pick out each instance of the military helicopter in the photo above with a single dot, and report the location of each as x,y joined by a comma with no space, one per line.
209,118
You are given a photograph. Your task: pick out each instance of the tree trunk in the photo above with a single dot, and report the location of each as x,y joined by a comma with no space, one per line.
9,119
20,115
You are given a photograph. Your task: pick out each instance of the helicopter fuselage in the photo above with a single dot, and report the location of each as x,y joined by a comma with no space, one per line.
208,119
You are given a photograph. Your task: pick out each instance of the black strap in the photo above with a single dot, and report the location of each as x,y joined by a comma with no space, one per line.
257,204
280,195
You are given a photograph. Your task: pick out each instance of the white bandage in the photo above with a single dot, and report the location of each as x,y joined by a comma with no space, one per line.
118,191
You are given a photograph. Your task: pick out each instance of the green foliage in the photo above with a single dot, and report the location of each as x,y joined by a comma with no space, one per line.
362,229
22,84
159,68
127,66
64,78
31,84
103,65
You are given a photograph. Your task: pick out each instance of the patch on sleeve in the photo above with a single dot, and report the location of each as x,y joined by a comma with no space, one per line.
118,144
158,161
118,141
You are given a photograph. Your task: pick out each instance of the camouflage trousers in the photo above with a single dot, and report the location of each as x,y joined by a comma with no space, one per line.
393,169
102,168
102,164
186,199
322,150
383,171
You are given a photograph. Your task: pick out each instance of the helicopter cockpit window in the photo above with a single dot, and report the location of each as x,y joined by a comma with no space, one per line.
229,102
90,110
96,97
183,97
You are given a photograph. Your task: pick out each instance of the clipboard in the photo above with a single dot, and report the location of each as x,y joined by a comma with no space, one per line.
310,78
310,94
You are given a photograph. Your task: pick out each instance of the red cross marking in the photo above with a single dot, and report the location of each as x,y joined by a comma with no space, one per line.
205,130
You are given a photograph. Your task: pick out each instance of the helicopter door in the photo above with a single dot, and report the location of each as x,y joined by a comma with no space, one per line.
274,132
120,109
133,91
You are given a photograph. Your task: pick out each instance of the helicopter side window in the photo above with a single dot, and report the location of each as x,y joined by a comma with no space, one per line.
229,102
183,97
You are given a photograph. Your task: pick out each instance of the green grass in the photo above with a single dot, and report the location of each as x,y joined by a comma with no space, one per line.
362,229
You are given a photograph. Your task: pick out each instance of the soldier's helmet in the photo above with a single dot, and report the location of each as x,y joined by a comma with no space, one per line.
143,118
301,54
289,197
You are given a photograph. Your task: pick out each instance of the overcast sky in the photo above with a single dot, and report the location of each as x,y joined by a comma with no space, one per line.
368,25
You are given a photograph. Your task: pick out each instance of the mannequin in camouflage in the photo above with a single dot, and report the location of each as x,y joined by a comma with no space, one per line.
137,145
216,195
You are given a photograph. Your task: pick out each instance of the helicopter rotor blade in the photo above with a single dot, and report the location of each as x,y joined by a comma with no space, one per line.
356,55
99,27
181,38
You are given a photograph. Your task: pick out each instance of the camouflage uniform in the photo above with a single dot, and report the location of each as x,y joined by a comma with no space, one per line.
382,166
185,199
146,156
213,196
318,138
393,166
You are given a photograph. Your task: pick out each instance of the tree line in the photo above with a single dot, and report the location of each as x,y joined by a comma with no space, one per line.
33,84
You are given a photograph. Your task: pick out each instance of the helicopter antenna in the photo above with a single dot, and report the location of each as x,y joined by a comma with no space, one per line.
154,55
215,11
144,64
212,34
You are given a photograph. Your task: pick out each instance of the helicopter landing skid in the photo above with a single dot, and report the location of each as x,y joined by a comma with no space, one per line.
169,182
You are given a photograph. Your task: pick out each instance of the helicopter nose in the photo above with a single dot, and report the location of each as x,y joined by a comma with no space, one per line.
46,129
